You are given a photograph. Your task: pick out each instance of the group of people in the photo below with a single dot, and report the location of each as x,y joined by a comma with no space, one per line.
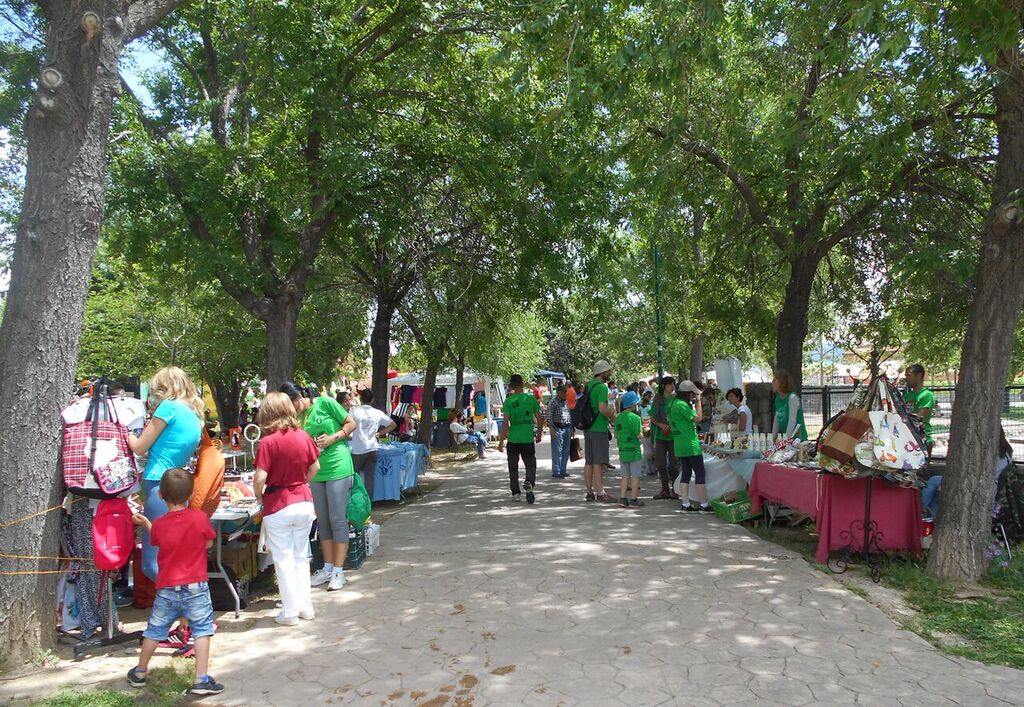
311,451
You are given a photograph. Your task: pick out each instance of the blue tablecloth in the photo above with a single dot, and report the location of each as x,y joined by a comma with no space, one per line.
398,467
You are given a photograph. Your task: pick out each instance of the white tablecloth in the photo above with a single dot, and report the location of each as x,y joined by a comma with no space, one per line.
720,477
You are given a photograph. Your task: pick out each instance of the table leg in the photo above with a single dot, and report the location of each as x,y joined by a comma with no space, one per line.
221,573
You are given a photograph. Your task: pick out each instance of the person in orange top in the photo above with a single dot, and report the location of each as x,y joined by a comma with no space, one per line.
570,394
209,476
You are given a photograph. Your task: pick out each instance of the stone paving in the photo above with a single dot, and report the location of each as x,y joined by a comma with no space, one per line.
475,600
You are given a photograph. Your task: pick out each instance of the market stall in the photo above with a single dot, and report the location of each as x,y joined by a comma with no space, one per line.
837,506
720,478
408,389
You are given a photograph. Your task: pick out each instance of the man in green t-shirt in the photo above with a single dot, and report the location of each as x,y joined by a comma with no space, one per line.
522,428
596,438
919,400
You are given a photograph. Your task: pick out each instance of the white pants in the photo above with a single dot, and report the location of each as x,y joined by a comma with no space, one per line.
288,541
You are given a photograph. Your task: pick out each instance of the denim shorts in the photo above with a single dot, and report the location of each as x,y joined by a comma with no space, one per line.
191,601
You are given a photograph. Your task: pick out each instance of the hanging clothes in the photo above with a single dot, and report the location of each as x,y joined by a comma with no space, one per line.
408,392
440,399
467,394
417,396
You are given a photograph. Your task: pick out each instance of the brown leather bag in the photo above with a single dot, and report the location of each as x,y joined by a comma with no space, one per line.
844,433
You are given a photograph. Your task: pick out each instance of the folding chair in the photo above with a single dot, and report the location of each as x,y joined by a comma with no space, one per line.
1008,515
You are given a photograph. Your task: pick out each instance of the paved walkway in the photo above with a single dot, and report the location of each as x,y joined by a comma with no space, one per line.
474,600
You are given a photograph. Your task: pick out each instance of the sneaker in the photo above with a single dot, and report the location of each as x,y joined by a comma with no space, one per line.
529,492
636,503
691,508
206,686
307,615
122,600
286,620
611,467
605,498
566,475
662,496
517,497
591,497
706,509
623,502
136,677
337,581
321,576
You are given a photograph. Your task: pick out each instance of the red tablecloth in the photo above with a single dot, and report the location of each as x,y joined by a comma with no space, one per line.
835,502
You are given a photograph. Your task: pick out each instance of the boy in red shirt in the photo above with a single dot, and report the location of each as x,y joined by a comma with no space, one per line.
181,537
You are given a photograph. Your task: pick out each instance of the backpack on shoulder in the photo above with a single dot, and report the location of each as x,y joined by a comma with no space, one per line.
583,415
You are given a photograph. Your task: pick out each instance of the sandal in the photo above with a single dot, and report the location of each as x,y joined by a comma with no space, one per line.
662,496
605,498
591,497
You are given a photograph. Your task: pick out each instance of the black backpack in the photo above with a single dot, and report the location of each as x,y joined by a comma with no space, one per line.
583,415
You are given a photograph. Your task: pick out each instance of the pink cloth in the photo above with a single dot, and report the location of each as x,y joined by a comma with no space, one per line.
417,396
835,502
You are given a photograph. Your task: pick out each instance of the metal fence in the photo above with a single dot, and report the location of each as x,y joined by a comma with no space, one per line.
820,403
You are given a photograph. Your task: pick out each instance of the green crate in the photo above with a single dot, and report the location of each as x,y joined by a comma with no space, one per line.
356,549
735,512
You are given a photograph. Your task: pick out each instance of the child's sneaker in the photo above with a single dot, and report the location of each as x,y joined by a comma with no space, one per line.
636,503
136,677
623,502
206,686
707,509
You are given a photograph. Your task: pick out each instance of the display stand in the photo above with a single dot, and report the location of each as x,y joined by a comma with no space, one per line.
112,638
871,537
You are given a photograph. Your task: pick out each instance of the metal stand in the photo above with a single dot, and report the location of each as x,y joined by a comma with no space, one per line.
871,537
111,639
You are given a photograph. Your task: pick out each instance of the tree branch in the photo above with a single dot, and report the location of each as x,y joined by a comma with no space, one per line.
144,15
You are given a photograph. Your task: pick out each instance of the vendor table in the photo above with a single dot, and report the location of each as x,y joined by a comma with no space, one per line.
223,515
719,476
234,455
398,468
837,506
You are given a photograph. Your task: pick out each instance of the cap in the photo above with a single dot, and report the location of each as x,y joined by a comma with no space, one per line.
602,366
630,399
687,386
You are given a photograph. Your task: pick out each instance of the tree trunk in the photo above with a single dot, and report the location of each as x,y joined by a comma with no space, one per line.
281,319
963,527
226,395
426,430
460,376
67,130
380,348
791,324
697,357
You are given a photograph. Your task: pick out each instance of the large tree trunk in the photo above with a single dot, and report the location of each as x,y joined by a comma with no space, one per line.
67,130
697,357
226,395
380,350
426,430
281,319
963,527
791,324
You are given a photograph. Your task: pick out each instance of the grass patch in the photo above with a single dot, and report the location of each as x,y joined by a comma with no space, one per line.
163,689
800,539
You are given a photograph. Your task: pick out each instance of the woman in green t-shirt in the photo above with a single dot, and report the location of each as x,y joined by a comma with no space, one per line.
330,426
789,412
683,419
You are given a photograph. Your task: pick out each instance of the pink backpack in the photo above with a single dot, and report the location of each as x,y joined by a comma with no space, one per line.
113,534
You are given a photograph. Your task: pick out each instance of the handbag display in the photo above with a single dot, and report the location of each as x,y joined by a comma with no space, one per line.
895,446
96,460
113,534
844,433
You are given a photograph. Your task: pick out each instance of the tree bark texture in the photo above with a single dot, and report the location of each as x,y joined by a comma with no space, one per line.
281,316
380,351
67,129
460,377
226,395
963,526
426,430
791,323
697,357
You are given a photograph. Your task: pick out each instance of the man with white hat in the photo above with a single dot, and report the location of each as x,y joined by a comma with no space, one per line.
597,436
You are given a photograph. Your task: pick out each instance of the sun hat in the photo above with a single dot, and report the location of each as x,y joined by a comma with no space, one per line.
601,366
630,399
687,386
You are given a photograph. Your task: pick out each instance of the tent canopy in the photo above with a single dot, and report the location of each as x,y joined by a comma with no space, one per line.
494,388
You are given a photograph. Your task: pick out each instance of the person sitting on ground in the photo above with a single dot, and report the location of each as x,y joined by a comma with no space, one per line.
930,493
181,536
683,419
744,419
462,434
628,433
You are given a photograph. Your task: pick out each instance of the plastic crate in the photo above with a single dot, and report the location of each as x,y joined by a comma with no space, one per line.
356,549
735,512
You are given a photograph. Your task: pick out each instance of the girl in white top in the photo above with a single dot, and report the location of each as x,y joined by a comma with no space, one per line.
746,419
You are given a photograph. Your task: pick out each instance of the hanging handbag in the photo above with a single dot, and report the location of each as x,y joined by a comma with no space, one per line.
96,460
113,534
845,431
895,446
575,454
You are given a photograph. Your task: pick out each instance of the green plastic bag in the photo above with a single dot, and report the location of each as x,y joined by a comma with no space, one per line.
359,505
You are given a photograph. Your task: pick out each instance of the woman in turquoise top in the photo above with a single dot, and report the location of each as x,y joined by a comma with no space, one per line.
170,439
330,426
789,412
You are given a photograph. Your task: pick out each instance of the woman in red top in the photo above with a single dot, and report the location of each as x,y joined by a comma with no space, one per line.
285,462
